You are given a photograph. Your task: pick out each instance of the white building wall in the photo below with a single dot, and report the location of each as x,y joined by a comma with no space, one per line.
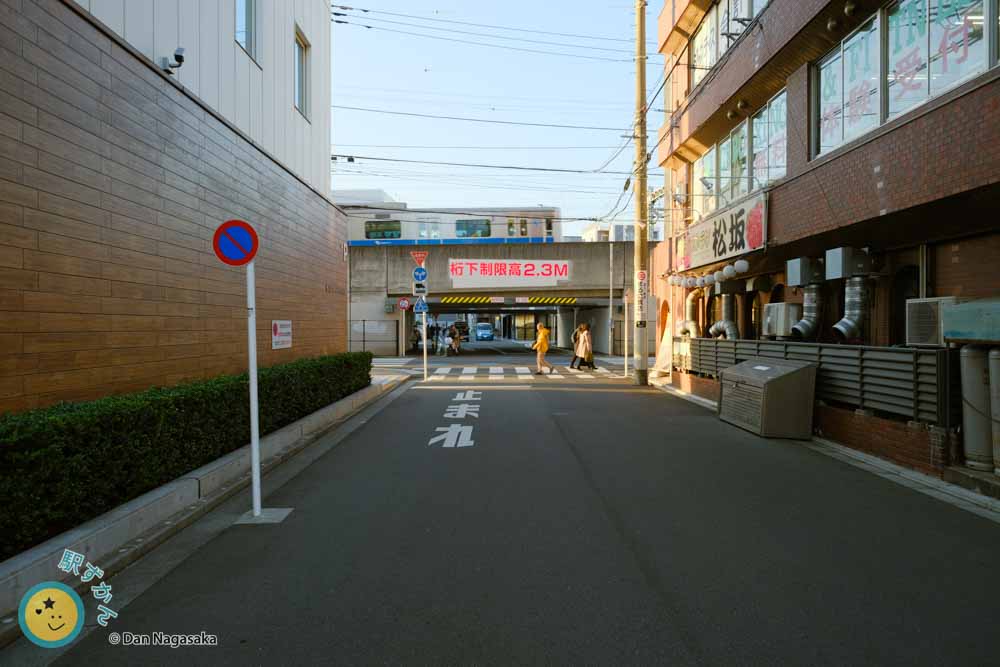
255,95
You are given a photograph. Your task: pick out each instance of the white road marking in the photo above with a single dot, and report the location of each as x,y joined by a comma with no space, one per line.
574,371
496,370
602,369
469,370
443,371
523,370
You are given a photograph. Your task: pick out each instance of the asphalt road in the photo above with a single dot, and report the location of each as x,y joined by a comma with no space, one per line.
589,523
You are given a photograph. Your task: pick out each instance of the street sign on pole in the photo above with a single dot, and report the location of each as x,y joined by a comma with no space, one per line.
419,289
419,256
236,243
419,275
404,303
420,307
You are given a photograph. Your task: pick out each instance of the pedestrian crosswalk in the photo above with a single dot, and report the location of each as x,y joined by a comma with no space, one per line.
517,373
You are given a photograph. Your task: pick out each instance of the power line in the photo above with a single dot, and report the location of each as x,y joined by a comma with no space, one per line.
478,120
478,186
494,46
465,95
482,166
490,213
496,148
491,36
483,25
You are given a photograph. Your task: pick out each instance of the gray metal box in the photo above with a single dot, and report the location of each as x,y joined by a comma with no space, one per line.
803,271
770,397
846,262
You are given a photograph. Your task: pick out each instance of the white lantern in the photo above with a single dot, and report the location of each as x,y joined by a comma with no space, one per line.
710,279
691,282
741,266
672,280
729,271
718,276
700,282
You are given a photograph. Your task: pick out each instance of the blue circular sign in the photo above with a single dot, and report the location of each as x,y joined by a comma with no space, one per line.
235,242
419,274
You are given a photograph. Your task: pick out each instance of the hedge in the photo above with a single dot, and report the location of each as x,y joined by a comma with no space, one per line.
64,465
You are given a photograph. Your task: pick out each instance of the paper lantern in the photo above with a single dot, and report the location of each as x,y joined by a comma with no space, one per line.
700,282
710,279
741,266
729,271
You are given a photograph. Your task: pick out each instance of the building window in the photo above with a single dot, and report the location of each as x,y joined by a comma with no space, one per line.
383,229
472,229
548,226
915,50
246,26
758,134
777,137
862,101
301,74
704,46
958,44
725,154
511,227
524,226
831,102
738,162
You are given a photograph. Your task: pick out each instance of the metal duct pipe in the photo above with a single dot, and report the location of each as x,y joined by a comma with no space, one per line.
690,325
726,326
851,326
812,305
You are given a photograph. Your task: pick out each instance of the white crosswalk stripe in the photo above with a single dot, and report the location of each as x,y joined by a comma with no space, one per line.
515,373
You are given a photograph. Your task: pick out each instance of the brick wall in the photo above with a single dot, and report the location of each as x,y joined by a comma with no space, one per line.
967,267
695,384
906,444
112,182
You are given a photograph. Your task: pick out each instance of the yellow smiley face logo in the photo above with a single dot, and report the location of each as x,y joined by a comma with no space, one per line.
51,614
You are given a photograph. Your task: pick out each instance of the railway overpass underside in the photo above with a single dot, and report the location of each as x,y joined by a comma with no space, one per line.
511,287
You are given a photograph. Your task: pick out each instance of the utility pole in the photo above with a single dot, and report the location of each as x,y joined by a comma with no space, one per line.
641,256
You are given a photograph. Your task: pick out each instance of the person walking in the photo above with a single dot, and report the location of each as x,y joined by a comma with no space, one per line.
541,346
584,348
575,340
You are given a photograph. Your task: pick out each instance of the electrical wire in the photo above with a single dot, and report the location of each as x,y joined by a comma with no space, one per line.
463,95
481,166
481,25
492,213
494,46
493,36
477,120
477,186
492,148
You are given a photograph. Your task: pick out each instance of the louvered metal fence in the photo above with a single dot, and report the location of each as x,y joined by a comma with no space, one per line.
919,384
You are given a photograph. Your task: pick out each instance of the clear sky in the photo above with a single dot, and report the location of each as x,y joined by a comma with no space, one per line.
379,69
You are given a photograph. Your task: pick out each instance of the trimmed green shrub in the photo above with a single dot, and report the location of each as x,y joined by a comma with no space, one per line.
64,465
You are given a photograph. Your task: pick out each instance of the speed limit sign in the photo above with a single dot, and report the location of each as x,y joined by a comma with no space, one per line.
404,303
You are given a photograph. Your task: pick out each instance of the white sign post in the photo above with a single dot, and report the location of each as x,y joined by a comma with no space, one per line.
281,334
625,301
236,244
254,406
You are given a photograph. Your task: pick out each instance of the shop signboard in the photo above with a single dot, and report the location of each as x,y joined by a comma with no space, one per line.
732,232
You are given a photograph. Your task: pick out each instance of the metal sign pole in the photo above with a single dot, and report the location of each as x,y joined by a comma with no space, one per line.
423,317
625,327
254,408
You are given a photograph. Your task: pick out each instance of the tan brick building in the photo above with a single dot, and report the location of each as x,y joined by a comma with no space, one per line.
864,124
113,178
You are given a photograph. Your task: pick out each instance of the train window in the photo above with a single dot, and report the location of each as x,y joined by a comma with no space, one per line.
472,229
383,229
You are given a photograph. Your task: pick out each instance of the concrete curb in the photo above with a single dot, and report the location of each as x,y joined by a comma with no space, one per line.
118,538
970,501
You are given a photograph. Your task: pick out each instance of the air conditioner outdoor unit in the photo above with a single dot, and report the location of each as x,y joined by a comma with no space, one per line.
924,326
780,317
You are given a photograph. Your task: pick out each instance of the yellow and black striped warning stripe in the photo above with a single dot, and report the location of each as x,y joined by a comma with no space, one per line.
553,300
465,299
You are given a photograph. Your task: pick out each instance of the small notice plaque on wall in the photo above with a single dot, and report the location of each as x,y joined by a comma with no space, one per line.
281,334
